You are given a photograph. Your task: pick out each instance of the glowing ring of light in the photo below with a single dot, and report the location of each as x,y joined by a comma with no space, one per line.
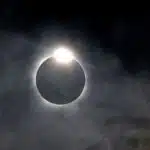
34,73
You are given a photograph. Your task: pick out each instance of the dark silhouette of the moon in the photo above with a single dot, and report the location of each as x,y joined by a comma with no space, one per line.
60,83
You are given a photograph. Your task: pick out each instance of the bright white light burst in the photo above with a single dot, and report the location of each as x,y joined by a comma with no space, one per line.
63,55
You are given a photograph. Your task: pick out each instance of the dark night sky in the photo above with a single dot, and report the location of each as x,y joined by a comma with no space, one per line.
116,51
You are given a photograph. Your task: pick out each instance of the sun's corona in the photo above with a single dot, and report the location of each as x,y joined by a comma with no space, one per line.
62,56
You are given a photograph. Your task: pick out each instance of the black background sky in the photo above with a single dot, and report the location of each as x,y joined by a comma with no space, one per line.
23,27
126,35
115,29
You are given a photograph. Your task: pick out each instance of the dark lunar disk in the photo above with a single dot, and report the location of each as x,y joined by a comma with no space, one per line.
60,83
